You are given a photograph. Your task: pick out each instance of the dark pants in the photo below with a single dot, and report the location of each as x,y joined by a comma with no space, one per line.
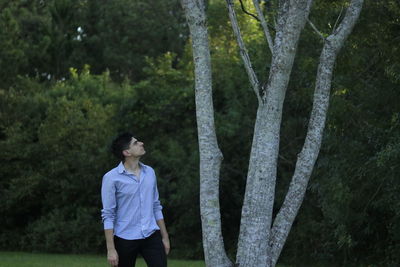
151,249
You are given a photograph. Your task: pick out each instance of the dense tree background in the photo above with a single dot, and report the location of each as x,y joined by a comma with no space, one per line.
75,73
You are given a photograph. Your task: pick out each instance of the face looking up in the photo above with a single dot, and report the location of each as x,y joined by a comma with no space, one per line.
136,149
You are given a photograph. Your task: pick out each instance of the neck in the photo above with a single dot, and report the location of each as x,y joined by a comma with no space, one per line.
132,164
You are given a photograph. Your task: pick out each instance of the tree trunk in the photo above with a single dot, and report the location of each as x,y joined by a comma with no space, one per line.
210,155
254,246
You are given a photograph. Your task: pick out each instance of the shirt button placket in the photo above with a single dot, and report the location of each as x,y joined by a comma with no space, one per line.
141,209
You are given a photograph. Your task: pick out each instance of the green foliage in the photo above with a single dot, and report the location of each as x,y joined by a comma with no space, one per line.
12,47
349,212
65,229
120,34
45,38
54,146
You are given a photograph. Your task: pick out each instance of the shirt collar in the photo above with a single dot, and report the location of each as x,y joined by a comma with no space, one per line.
121,167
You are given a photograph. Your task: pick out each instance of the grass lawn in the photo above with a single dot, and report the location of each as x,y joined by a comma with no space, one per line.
23,259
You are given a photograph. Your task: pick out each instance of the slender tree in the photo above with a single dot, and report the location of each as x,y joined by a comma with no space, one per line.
261,238
210,154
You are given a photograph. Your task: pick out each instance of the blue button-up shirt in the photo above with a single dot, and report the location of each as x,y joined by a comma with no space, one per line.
131,206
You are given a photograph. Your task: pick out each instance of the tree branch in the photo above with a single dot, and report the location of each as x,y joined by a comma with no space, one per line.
264,26
348,22
283,9
337,20
306,159
315,29
243,51
248,13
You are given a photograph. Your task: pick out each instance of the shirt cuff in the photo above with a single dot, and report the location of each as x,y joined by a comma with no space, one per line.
108,225
158,215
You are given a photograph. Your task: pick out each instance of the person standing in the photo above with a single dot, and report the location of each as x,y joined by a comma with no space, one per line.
132,213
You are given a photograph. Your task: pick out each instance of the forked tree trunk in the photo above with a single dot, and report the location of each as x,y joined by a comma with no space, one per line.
260,244
254,246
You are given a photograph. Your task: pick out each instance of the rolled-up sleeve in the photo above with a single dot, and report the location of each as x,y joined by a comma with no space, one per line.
109,202
157,208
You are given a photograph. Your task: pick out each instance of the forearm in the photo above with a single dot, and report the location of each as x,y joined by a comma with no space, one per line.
163,229
109,233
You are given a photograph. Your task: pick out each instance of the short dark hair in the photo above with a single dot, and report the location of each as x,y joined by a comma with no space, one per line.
120,143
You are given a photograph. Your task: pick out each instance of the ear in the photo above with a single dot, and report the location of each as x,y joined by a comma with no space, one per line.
126,153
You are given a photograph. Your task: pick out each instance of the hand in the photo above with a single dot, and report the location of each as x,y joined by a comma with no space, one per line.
166,244
112,257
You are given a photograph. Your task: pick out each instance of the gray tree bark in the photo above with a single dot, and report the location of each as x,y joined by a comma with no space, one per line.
210,154
254,246
260,244
306,159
